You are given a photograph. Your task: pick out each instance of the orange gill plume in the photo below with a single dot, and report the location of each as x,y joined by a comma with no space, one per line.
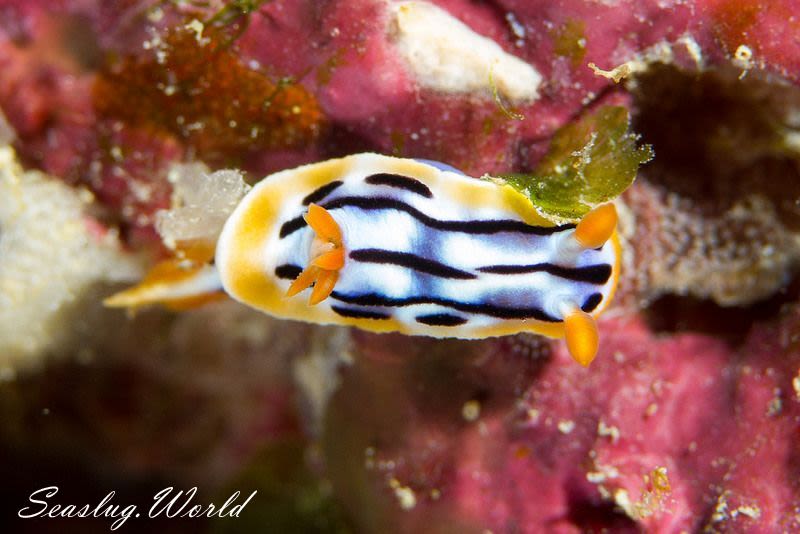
327,257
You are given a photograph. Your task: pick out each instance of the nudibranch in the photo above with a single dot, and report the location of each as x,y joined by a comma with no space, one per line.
400,245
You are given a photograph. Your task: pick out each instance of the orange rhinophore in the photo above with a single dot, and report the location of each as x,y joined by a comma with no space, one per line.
597,226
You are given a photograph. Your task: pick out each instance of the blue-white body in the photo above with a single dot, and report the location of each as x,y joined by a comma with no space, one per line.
427,251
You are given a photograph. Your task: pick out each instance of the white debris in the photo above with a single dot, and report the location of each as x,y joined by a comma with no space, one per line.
602,473
791,141
775,405
743,59
623,500
517,28
566,426
446,55
753,512
198,27
721,508
617,74
471,410
405,495
693,49
660,52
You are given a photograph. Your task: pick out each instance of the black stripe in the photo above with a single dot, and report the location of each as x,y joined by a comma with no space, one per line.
493,226
359,314
501,312
291,226
412,261
400,182
322,192
288,271
591,302
593,274
441,319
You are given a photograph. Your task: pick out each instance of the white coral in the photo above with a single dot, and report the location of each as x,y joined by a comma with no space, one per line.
49,261
446,55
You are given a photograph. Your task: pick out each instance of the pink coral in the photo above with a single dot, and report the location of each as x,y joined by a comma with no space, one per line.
559,448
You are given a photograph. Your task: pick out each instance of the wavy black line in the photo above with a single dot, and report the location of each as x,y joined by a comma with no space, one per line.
411,261
287,271
593,274
400,182
441,319
359,314
319,194
501,312
491,226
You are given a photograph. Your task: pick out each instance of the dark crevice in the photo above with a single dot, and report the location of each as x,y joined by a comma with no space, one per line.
81,42
340,140
591,515
719,138
681,314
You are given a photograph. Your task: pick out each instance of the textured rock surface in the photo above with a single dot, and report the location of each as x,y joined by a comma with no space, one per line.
687,421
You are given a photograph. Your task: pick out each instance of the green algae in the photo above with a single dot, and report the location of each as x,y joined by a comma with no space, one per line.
590,161
234,11
234,17
569,41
